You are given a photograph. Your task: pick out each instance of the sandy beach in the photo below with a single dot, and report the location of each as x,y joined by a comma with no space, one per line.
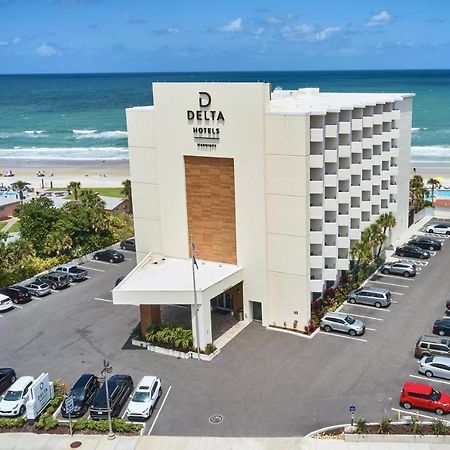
59,173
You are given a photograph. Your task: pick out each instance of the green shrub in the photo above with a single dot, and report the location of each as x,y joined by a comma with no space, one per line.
414,426
210,348
101,426
386,425
6,422
170,336
361,426
46,422
439,427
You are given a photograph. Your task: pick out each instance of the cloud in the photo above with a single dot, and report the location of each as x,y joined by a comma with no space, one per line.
13,41
136,21
308,33
46,50
279,20
165,31
381,18
233,27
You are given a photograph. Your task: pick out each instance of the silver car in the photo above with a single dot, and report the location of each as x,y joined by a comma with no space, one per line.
439,228
404,268
342,322
38,289
377,297
435,366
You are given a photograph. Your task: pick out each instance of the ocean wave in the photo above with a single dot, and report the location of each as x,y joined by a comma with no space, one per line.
83,131
416,129
63,153
38,132
117,134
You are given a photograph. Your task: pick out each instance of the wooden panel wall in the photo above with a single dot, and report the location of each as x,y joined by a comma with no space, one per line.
211,207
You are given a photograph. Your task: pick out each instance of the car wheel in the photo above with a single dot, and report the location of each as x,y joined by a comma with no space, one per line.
441,333
406,405
406,274
377,305
429,230
327,328
53,286
431,248
22,410
429,373
150,413
352,332
96,257
111,260
14,300
439,411
447,233
386,271
352,300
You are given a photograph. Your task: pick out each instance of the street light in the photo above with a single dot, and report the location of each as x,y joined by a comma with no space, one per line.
108,369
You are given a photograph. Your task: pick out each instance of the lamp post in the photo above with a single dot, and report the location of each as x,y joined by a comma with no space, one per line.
108,369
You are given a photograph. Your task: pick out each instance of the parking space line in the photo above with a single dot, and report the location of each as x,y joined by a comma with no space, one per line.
395,301
54,290
366,317
416,412
341,336
128,259
373,308
1,315
159,411
17,306
103,299
123,415
100,262
371,329
55,414
389,284
437,380
94,269
393,276
397,293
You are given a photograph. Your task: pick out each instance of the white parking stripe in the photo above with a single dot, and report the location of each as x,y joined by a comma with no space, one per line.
389,284
159,410
371,329
430,379
342,336
95,270
103,299
397,277
366,317
101,262
373,308
395,301
17,306
415,412
397,293
128,259
123,415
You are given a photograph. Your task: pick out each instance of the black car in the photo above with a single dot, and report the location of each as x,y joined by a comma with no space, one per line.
83,392
442,327
426,243
112,256
17,294
56,280
128,244
412,251
120,388
7,378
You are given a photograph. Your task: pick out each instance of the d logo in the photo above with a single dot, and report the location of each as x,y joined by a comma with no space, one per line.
204,99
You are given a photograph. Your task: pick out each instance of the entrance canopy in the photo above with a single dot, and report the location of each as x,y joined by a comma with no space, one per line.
162,280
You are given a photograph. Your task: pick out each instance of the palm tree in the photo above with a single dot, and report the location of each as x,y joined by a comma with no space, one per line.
19,186
417,192
74,187
56,242
361,252
434,183
126,191
374,237
387,222
91,199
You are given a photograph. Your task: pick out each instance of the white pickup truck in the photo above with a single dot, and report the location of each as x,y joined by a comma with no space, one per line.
73,272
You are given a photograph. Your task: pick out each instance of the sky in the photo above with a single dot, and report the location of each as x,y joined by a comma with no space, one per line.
85,36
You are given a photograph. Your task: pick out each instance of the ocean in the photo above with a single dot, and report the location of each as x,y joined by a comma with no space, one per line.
82,117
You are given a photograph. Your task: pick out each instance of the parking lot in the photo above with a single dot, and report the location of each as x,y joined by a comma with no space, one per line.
263,383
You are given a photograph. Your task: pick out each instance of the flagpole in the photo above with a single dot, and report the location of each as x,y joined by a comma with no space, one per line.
197,328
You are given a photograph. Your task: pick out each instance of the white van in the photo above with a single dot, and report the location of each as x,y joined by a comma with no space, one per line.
14,401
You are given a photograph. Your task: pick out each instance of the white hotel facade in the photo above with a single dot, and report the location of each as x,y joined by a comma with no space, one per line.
274,187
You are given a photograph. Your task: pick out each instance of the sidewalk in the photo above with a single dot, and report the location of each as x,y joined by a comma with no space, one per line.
29,441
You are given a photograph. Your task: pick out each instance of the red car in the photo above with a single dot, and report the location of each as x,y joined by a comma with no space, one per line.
423,396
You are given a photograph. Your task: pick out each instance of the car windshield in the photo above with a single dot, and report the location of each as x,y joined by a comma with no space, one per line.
78,393
12,396
350,319
435,395
141,397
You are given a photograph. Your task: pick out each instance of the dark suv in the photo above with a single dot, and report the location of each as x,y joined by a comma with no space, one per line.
55,280
128,244
119,389
83,393
442,327
427,243
17,294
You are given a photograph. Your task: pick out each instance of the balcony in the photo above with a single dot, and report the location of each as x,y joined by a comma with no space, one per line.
315,285
387,136
330,228
368,122
316,262
344,174
395,114
343,220
393,189
344,151
356,124
355,191
330,274
316,187
377,139
316,161
316,212
330,251
343,197
378,119
393,170
366,185
316,237
316,135
376,160
330,204
355,213
356,147
331,156
344,127
342,264
367,142
331,131
343,242
395,133
330,180
394,152
366,164
366,206
376,180
354,233
387,116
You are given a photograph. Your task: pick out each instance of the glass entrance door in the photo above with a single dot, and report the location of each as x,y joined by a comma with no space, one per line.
256,311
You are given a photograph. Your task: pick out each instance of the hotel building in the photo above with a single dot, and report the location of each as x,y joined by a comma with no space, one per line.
274,187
